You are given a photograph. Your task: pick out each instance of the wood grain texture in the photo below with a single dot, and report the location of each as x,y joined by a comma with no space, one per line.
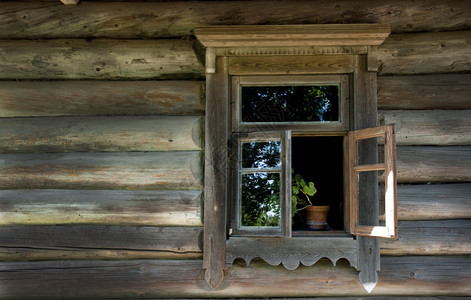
399,276
293,35
433,164
74,98
97,242
107,207
444,91
216,168
365,116
450,237
99,134
167,19
70,2
434,201
98,59
271,65
425,53
178,170
429,127
292,252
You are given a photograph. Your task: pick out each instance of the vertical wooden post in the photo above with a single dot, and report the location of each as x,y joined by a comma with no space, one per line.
365,115
216,168
286,184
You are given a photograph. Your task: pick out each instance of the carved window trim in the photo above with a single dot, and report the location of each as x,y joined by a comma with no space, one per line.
286,49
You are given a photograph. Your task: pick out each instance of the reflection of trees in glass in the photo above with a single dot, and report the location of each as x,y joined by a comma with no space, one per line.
261,155
290,103
260,190
260,199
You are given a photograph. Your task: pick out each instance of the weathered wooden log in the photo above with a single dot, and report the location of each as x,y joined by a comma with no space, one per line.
444,91
399,276
425,53
98,242
66,98
450,237
168,19
179,170
152,208
118,134
433,164
429,127
98,59
443,52
434,201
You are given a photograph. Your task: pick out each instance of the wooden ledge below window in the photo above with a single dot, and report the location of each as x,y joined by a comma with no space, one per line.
291,252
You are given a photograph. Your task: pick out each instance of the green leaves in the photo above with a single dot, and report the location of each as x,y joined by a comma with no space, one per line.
301,191
309,189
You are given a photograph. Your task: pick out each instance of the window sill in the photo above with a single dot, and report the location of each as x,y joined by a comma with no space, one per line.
326,233
291,252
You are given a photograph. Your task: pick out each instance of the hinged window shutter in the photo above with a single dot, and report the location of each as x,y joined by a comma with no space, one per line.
389,229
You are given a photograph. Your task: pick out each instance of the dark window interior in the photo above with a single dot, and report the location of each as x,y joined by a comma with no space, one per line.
320,160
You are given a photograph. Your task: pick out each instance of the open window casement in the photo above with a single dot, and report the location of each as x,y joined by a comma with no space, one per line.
359,169
239,59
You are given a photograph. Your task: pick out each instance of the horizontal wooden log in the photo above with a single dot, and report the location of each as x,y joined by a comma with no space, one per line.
450,237
118,134
399,276
98,242
434,201
66,98
433,164
48,207
425,53
167,19
444,91
98,59
178,170
429,127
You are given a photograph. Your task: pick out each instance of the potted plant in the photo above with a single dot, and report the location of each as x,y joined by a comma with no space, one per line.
316,216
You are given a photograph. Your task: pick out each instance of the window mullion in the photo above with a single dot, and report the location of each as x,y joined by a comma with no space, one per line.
286,217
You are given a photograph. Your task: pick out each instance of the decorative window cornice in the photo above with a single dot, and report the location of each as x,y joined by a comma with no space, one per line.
317,39
293,35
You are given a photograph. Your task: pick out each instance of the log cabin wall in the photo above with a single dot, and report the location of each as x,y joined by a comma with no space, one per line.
101,117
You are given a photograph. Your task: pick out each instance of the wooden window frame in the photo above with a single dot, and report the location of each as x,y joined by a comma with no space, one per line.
280,80
337,128
284,50
389,230
237,228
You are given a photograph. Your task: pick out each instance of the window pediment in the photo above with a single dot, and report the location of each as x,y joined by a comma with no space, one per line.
259,36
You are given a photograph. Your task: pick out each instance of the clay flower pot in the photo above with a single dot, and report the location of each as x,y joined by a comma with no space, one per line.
316,217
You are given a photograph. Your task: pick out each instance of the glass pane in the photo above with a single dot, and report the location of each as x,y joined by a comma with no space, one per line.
261,155
260,200
316,103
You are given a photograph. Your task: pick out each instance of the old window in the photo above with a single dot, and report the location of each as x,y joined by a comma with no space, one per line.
273,91
285,126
